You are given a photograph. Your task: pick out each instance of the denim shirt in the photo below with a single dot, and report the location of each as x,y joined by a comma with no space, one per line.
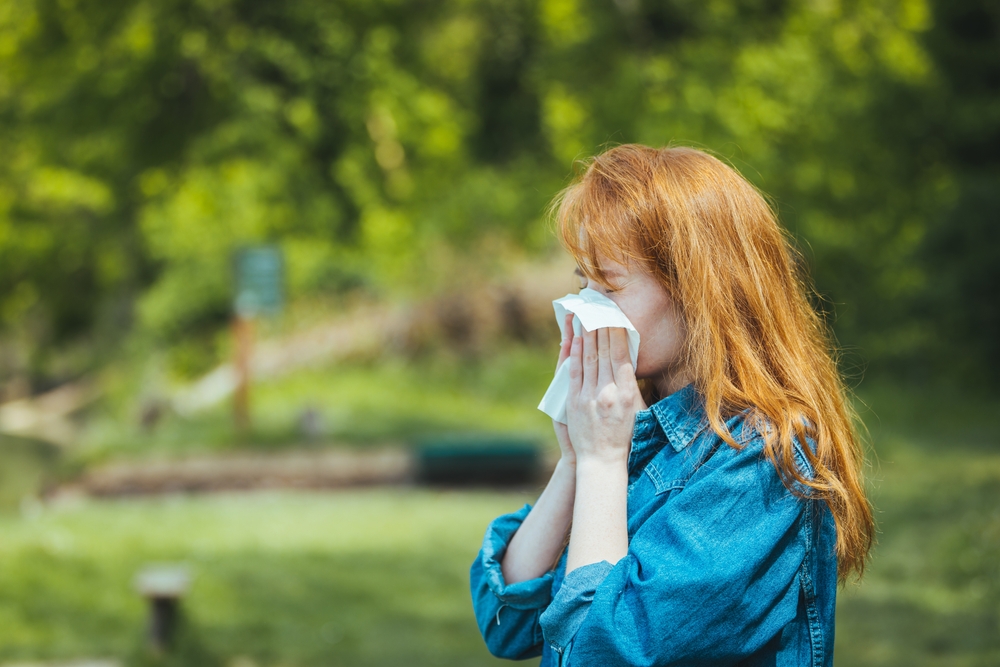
725,566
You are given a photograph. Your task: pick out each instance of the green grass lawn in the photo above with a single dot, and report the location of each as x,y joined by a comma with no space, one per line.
931,595
368,577
360,403
378,577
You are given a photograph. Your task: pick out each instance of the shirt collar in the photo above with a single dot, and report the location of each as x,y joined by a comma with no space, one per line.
681,415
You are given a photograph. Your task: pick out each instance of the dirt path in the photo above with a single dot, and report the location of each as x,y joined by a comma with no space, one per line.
296,470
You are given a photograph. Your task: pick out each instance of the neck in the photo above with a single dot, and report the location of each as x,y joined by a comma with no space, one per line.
671,381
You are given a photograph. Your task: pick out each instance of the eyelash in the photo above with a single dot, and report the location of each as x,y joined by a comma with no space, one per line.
584,280
601,288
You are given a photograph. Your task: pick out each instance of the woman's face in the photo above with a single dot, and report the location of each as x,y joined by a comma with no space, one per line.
655,316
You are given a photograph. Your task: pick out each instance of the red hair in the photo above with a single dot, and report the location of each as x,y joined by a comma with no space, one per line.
754,342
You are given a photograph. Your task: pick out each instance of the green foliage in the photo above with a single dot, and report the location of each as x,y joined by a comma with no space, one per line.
147,140
26,468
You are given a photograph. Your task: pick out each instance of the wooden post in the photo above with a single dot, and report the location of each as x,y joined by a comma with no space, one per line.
164,612
243,335
259,282
163,587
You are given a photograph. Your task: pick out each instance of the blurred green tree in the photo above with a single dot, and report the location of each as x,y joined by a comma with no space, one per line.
144,140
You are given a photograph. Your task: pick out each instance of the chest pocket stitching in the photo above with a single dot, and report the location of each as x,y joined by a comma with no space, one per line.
661,484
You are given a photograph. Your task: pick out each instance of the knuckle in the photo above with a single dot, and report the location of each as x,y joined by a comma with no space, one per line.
606,401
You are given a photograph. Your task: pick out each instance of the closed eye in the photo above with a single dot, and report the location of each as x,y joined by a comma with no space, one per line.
585,282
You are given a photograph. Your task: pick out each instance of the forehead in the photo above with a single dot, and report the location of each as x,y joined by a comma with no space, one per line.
610,275
607,266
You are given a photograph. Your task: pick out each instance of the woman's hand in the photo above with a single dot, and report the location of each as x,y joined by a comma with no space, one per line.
562,435
603,400
603,396
539,542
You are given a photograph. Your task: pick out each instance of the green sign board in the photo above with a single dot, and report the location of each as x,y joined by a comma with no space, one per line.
260,273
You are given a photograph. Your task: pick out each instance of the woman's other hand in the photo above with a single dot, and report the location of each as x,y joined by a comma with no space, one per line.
539,541
562,434
603,396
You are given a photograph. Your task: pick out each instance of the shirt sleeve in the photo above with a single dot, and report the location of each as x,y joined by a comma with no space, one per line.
709,577
507,614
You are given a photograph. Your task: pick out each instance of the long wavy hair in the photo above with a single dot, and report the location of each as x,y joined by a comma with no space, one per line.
754,341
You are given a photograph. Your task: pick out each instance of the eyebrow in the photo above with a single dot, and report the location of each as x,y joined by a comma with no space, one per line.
611,273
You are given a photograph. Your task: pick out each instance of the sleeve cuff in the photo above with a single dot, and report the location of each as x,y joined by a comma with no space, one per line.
530,594
561,621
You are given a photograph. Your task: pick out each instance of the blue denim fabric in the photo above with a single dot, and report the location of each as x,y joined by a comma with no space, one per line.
725,566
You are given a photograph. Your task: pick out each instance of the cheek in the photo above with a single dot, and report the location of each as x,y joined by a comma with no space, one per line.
661,341
648,316
661,334
658,352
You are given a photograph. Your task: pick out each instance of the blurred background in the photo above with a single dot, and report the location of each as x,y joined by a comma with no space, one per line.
263,266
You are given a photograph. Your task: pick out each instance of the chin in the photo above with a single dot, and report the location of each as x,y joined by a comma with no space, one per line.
643,374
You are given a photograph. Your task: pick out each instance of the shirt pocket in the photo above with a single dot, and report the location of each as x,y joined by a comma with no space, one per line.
662,484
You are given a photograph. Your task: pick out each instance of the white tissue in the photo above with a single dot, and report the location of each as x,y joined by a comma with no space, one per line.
593,310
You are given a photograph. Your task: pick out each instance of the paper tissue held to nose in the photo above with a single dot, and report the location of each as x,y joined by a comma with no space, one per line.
593,310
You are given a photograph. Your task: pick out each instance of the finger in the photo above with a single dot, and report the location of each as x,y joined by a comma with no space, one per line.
624,371
576,365
590,358
604,373
620,358
567,340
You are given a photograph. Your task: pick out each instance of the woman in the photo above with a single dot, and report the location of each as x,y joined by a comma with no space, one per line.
712,527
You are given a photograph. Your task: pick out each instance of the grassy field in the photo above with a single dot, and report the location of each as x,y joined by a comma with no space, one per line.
378,577
931,595
358,404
